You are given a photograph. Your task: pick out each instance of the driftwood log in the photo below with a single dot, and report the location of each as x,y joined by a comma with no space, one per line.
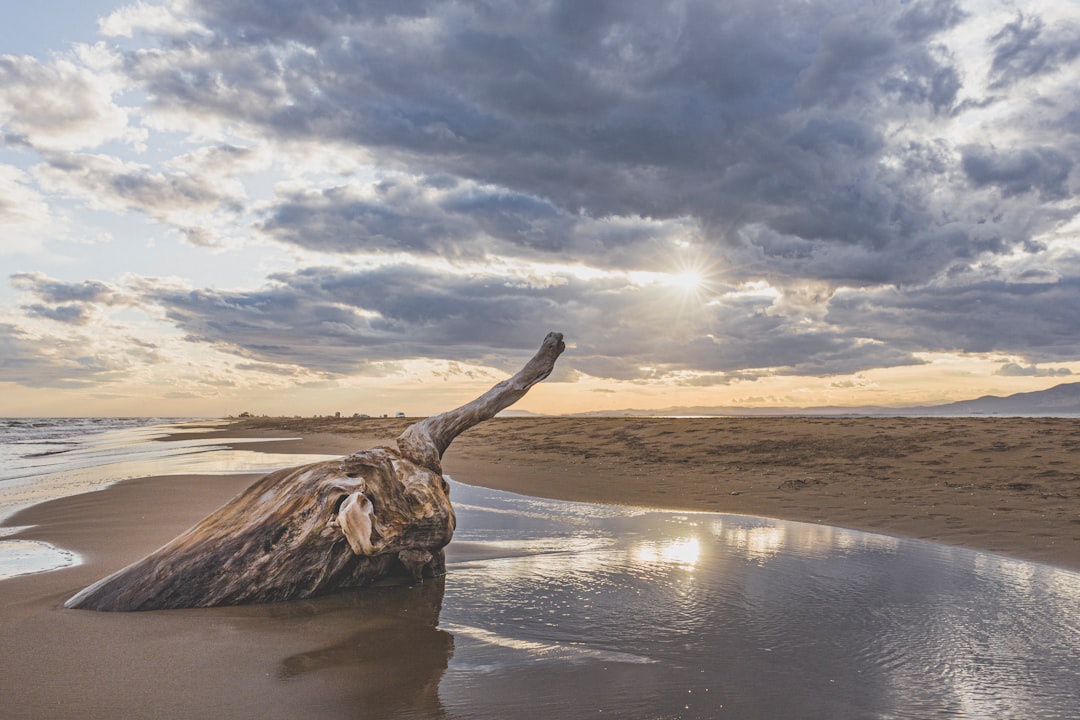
311,530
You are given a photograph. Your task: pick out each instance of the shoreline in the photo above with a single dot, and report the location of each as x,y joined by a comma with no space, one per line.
1009,486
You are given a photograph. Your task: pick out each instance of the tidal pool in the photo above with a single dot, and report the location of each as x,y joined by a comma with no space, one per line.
573,610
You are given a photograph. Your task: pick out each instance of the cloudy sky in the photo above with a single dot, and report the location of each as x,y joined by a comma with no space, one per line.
212,206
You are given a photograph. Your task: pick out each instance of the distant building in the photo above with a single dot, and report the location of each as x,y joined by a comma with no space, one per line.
400,414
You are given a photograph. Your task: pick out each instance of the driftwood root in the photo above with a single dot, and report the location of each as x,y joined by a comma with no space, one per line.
307,531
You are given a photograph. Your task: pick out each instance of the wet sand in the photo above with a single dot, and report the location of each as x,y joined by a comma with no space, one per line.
1003,485
235,662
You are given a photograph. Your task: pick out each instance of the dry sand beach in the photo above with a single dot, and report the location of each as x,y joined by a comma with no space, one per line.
1005,485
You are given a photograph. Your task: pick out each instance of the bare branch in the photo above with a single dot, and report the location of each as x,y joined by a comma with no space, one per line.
425,442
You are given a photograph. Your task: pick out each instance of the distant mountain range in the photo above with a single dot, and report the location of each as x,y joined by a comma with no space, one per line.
1059,400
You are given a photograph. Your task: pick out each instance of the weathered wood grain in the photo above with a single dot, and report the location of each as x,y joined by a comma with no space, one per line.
307,531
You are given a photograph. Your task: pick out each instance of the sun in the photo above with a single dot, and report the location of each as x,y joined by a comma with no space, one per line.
689,281
692,280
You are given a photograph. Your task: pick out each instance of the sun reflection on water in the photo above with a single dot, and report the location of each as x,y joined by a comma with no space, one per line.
754,543
683,552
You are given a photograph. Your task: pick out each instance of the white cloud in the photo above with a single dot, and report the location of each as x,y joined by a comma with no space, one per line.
65,104
24,213
167,19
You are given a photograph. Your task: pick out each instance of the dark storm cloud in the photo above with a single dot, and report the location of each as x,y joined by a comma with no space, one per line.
395,215
729,113
313,21
1042,318
461,219
803,144
761,341
923,20
1042,169
336,321
754,120
339,322
1025,48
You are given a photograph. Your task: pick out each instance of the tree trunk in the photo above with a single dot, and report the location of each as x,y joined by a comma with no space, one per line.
307,531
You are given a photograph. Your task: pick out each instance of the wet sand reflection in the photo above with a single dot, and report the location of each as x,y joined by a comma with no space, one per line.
393,658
